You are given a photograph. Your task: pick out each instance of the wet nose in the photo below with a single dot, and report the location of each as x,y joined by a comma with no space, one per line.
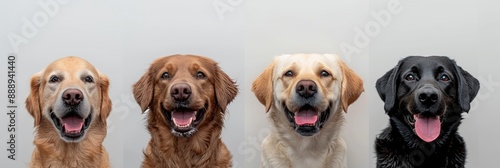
428,96
181,91
72,97
306,88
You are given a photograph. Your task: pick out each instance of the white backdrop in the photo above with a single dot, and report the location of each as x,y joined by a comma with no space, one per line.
121,38
282,27
466,31
156,30
80,29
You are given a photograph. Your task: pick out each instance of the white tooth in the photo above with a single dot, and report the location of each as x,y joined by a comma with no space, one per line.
174,121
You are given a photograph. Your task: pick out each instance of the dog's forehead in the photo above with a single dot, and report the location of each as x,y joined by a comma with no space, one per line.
176,62
70,65
307,60
430,63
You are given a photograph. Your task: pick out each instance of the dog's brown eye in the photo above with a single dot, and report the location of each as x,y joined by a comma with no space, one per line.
54,79
444,78
89,79
325,74
288,73
165,75
410,77
200,75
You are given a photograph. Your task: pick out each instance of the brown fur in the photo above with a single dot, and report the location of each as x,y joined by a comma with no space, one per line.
204,148
50,150
283,147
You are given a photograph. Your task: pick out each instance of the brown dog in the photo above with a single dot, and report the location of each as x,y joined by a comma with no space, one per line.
187,97
69,102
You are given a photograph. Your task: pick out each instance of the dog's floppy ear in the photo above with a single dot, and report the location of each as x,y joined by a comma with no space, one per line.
105,100
143,90
352,86
387,87
262,87
33,99
468,87
225,88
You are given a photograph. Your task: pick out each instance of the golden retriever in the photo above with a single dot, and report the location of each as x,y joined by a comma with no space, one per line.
69,103
304,95
187,97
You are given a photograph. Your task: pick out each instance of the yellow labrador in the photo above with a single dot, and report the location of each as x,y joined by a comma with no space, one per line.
69,102
304,96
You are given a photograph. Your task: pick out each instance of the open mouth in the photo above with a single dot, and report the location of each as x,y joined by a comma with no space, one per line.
307,121
426,126
183,121
71,126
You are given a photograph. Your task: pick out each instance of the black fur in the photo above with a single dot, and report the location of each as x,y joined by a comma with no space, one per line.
452,88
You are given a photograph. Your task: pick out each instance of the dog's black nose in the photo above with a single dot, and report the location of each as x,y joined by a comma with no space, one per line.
306,88
72,97
181,91
428,96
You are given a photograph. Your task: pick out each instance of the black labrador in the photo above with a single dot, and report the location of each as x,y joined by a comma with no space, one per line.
424,98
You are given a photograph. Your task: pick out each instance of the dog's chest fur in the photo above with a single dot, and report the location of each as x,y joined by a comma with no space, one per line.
203,149
326,149
392,152
51,151
311,155
161,156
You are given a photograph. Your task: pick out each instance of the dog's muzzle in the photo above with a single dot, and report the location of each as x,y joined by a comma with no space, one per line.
307,120
69,119
428,111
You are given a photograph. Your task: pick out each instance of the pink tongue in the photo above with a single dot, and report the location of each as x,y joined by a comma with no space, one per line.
72,124
307,116
183,118
427,128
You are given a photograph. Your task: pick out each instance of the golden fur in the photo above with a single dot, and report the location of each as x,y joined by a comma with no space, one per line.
276,90
215,90
51,150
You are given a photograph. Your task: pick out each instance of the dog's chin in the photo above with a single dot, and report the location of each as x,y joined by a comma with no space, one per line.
307,120
426,125
184,121
71,127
